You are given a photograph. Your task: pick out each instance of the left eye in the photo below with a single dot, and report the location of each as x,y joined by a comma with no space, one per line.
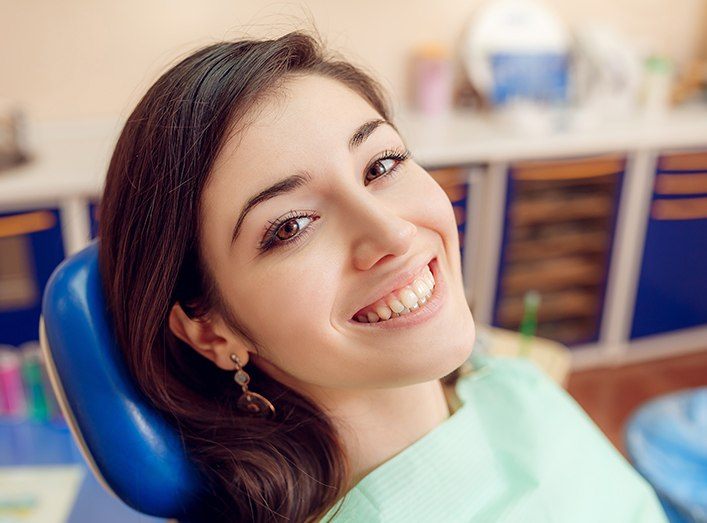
387,164
377,169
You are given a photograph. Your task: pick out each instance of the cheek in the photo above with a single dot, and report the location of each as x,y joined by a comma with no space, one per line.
435,211
295,298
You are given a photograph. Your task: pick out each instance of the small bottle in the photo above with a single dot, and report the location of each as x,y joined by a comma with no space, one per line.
12,396
432,78
529,322
657,87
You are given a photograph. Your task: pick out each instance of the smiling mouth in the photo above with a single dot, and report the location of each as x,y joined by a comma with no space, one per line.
403,301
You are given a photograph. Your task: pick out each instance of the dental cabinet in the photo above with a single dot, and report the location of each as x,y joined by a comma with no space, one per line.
607,222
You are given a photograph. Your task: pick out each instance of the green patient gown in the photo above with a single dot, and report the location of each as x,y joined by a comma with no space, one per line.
518,449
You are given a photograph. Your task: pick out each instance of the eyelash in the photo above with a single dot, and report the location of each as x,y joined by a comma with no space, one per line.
270,240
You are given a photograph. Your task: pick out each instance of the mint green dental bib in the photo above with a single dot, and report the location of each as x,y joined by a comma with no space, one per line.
518,449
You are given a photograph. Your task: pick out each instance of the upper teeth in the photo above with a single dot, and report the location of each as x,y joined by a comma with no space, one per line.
401,301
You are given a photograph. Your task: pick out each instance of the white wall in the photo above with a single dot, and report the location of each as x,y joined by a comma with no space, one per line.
73,59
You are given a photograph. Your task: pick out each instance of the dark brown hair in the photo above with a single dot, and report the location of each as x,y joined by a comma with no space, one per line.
289,468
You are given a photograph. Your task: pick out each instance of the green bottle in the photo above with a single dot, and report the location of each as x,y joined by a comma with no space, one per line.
529,323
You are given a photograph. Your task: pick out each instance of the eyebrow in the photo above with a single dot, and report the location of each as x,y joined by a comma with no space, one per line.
301,178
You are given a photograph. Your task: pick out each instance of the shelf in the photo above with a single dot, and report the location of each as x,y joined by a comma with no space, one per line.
552,274
535,212
553,306
574,242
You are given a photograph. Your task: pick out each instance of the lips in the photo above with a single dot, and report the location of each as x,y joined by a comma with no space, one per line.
399,280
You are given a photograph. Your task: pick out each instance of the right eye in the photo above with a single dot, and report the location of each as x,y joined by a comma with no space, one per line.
287,229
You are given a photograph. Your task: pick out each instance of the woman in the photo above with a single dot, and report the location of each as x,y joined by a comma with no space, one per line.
264,222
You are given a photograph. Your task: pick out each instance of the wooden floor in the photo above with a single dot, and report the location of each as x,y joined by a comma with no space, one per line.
610,395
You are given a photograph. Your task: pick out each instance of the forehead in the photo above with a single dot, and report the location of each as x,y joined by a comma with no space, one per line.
306,121
304,114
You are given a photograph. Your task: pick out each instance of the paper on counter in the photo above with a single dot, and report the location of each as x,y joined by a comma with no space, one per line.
42,494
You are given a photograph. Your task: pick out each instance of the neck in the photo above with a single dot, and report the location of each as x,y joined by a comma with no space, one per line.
375,425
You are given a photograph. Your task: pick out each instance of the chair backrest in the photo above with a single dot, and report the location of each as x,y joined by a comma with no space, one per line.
132,449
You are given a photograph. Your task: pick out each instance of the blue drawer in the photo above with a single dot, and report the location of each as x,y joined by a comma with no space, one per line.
31,246
672,288
93,211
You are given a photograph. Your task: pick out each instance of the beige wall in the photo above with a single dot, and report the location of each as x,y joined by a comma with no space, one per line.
72,59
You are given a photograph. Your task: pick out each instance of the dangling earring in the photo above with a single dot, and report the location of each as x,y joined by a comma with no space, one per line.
250,402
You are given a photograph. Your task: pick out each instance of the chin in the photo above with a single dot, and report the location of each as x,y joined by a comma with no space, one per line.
458,353
449,357
461,353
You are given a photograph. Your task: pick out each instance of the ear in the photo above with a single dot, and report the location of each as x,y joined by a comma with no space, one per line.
209,337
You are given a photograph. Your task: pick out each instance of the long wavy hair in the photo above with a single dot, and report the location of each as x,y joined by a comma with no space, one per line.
293,466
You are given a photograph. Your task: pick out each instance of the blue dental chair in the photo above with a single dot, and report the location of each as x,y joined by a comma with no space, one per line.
130,447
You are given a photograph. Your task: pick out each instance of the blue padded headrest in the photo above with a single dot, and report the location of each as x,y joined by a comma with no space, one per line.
666,439
138,455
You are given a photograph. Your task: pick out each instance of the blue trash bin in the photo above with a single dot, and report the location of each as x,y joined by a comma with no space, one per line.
666,440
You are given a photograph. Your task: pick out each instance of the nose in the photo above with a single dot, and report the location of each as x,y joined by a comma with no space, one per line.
379,233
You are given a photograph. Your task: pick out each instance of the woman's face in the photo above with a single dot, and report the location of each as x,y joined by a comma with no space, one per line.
343,235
